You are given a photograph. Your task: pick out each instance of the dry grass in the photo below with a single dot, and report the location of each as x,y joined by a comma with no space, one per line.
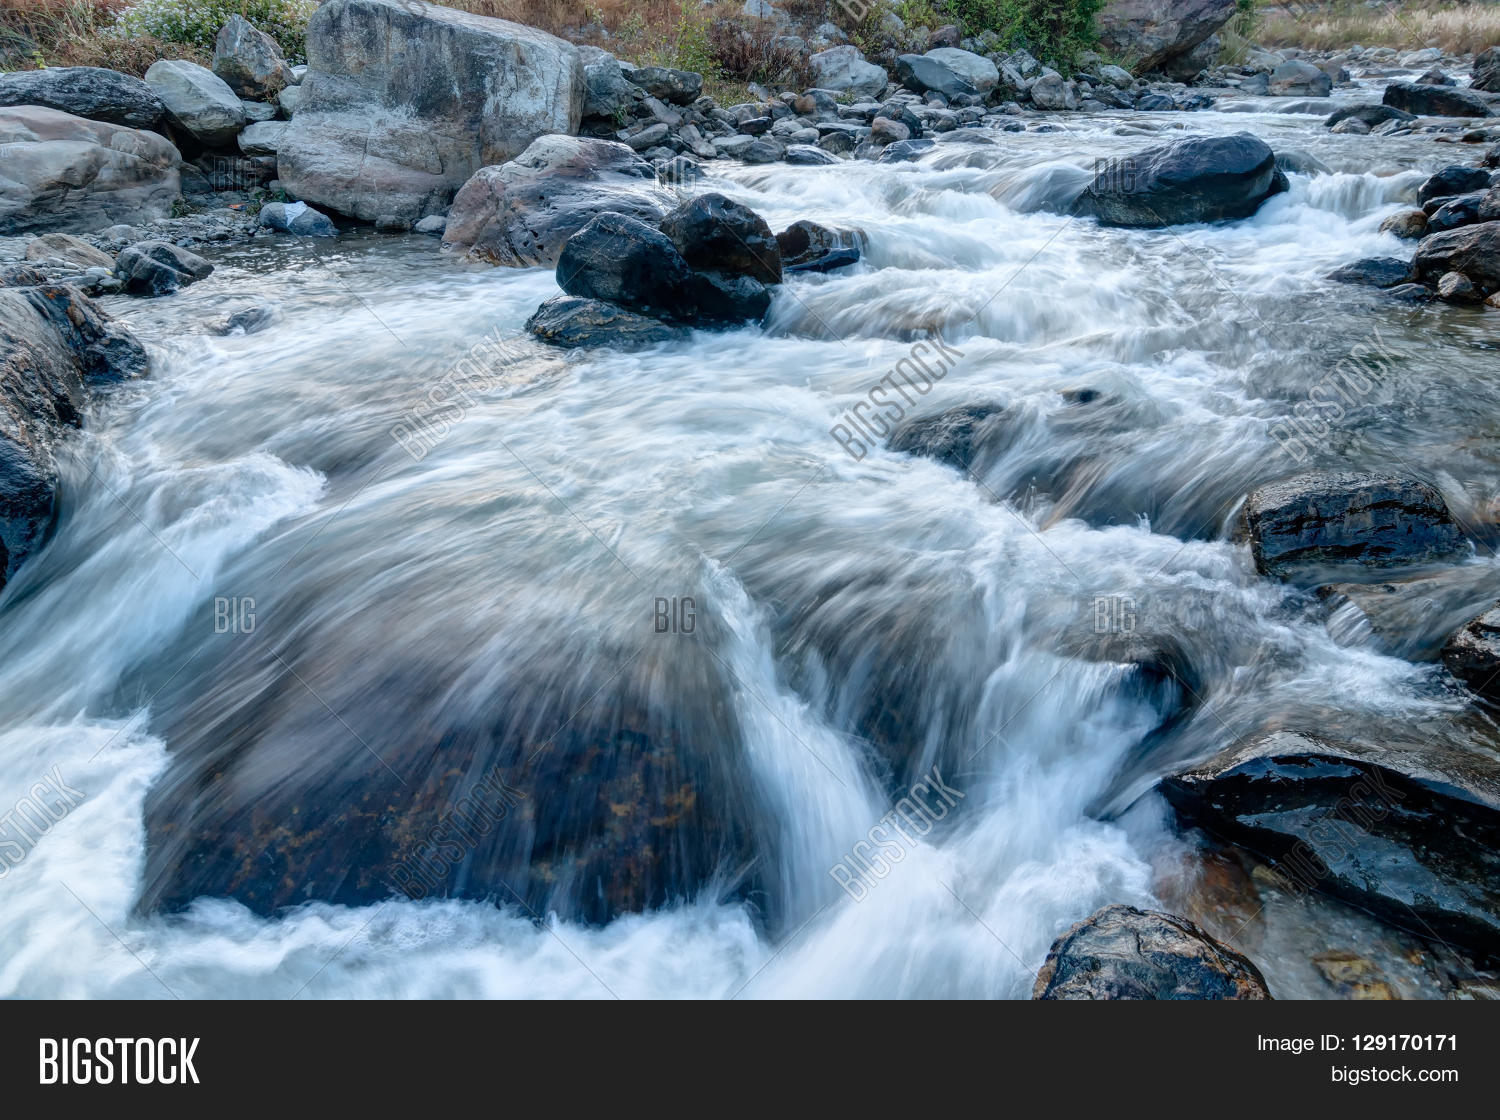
35,33
1456,28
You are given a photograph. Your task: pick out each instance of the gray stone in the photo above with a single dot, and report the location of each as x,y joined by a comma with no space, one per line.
298,218
65,173
974,69
402,103
250,61
1144,34
69,250
85,91
198,101
158,268
843,69
572,322
262,138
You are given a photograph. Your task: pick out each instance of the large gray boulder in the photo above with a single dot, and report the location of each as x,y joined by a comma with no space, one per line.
1295,78
54,345
844,69
404,101
1144,34
607,94
250,61
198,101
973,68
521,212
921,73
1120,952
1434,101
85,91
64,173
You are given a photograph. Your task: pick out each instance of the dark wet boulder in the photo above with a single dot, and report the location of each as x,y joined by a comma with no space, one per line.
1407,829
520,213
1370,115
725,300
920,73
1486,72
1460,210
1199,179
1120,952
623,261
573,323
809,247
86,91
249,320
1473,250
956,436
1453,180
1410,293
158,268
1434,101
55,346
1378,272
1304,526
677,87
1473,654
716,234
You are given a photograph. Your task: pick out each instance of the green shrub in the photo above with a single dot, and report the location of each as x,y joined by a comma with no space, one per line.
1049,29
197,22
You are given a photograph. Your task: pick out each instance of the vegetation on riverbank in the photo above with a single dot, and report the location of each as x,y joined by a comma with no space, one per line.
719,41
1456,28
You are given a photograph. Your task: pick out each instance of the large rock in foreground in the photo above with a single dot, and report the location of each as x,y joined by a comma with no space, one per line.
1120,952
1144,34
1409,831
1199,179
66,174
521,213
404,101
54,344
626,262
1434,101
86,91
1311,525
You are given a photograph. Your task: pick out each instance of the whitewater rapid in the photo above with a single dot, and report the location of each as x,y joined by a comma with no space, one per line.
584,485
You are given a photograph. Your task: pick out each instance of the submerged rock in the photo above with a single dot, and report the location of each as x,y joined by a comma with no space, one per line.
572,323
1378,272
809,247
955,436
1407,830
1307,525
1370,115
1120,952
55,345
1199,179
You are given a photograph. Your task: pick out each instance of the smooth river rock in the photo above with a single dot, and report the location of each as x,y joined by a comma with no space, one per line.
1199,179
68,174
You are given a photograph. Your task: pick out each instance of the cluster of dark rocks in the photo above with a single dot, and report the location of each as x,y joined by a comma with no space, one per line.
1457,228
708,263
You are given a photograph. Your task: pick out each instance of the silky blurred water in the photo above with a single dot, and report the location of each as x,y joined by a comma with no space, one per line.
852,606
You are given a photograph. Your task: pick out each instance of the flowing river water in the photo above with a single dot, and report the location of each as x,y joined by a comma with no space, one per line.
858,621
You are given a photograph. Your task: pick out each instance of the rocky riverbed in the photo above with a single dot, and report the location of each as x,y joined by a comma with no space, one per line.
964,529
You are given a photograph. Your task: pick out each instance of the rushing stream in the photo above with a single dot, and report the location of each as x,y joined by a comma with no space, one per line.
856,622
